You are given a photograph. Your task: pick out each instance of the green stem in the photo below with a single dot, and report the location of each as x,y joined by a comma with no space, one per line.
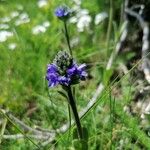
111,123
112,110
67,37
75,112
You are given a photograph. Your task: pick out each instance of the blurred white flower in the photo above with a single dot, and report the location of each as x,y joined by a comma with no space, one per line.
82,12
46,24
83,22
12,46
75,41
77,2
82,19
4,35
38,29
23,18
4,26
5,19
14,14
42,3
100,17
76,6
41,28
73,20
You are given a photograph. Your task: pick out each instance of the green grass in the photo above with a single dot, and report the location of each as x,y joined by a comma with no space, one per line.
23,86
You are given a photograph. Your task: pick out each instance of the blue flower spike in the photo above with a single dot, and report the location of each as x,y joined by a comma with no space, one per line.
65,71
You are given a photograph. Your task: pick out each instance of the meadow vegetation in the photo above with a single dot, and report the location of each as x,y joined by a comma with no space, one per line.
116,89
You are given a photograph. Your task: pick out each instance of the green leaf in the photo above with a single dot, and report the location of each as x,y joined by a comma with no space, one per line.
63,94
106,76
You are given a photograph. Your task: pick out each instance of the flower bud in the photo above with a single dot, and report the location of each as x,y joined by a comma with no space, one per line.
63,12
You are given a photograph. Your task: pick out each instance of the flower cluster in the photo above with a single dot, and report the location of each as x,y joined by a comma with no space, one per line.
65,71
63,12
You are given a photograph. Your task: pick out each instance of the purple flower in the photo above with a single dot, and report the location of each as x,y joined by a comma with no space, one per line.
51,68
81,71
62,12
77,71
52,75
52,79
65,71
64,80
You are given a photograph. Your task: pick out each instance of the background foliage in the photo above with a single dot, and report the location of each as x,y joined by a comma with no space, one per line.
23,90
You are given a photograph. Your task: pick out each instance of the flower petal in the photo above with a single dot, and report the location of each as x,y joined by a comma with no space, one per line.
51,68
62,11
82,66
71,71
52,79
64,80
